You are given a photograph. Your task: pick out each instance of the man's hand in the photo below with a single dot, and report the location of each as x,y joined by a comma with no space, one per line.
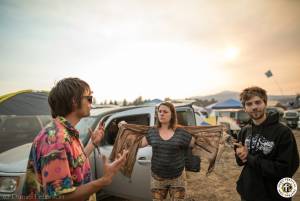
97,135
110,169
241,151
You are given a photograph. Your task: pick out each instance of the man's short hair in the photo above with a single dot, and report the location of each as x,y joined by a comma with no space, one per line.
250,92
64,94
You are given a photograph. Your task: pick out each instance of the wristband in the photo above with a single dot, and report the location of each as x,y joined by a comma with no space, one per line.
94,144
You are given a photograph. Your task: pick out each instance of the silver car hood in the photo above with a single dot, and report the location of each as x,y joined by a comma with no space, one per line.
15,160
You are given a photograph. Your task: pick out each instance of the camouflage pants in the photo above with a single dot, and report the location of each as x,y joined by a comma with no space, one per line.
160,188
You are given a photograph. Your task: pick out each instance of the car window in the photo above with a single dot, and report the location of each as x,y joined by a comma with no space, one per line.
112,129
18,130
83,126
19,124
186,117
45,119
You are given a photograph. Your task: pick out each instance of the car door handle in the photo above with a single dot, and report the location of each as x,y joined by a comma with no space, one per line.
143,160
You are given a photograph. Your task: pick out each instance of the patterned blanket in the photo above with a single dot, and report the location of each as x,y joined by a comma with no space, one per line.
209,143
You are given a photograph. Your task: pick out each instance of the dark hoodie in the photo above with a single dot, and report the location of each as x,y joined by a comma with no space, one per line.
273,155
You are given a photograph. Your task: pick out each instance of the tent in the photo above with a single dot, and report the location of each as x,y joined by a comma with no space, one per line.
228,104
22,116
26,102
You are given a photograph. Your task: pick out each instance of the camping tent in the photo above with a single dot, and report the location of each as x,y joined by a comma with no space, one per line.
22,116
228,104
26,102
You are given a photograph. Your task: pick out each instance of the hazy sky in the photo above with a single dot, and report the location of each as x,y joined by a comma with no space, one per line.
154,49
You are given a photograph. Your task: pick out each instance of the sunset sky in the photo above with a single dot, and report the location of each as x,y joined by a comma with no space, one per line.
154,49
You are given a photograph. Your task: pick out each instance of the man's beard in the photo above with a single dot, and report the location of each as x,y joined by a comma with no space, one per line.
257,116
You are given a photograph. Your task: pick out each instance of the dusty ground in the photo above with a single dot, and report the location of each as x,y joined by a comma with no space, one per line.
220,185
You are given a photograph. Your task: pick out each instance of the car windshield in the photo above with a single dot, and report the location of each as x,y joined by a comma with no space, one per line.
83,126
18,130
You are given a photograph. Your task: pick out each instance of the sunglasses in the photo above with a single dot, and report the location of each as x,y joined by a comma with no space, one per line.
89,98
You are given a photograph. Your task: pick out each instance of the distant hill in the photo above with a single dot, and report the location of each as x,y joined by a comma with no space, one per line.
224,95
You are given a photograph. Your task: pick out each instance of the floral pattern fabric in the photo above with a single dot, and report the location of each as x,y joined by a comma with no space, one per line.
57,163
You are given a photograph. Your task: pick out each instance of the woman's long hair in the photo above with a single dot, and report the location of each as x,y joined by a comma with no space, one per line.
173,120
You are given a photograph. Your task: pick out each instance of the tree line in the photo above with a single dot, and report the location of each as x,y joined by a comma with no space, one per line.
140,101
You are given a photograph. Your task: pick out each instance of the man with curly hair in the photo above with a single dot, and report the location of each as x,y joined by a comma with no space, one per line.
266,148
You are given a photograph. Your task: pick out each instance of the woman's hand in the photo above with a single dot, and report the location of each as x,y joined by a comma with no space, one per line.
121,123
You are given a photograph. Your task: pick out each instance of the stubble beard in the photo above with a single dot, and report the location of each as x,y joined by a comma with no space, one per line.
260,116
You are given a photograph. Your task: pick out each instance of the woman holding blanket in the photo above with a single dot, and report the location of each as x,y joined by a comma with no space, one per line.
169,145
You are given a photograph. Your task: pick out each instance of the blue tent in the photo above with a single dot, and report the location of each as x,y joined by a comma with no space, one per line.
228,104
204,123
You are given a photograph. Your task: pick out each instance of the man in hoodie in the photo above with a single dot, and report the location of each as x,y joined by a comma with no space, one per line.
266,148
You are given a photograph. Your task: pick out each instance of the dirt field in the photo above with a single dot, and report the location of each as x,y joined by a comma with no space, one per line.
220,185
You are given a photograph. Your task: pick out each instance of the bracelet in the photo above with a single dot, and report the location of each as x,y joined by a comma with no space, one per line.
94,145
98,150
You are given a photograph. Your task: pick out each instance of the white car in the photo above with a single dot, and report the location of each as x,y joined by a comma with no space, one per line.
138,186
291,117
17,133
14,161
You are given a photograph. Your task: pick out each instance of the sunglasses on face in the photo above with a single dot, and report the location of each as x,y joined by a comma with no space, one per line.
89,98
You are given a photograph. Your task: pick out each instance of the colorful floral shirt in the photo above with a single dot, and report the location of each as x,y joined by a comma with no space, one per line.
57,162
